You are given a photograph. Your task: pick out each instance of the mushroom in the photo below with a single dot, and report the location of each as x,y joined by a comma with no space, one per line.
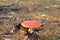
31,25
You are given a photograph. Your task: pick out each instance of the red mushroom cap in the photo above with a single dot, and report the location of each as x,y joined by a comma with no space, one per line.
31,24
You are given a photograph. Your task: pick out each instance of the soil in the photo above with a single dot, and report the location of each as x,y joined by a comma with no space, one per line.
12,16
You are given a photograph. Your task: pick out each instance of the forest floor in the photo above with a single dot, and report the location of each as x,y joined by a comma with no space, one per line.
46,12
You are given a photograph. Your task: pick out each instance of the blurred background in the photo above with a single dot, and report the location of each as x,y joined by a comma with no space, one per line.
14,12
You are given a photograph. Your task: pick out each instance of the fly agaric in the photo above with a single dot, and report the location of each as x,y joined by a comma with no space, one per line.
31,25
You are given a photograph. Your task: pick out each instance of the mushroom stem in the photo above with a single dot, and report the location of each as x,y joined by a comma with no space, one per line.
30,30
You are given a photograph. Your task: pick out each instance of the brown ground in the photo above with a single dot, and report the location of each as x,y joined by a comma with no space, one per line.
10,27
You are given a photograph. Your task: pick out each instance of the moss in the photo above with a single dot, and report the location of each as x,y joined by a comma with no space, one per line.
58,36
